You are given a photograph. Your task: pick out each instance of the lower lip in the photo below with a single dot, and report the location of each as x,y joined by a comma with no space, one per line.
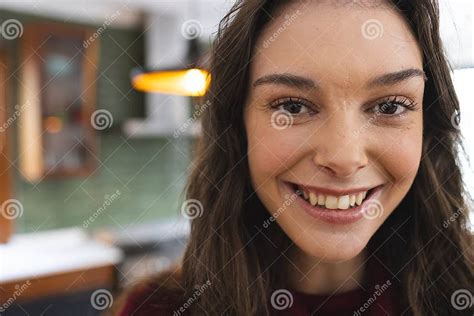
341,217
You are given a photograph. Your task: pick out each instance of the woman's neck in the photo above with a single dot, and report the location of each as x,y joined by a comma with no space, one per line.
312,275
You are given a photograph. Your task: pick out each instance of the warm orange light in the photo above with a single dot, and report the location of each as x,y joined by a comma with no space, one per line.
53,124
189,82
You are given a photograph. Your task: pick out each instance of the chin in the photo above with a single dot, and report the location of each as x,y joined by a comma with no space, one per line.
332,249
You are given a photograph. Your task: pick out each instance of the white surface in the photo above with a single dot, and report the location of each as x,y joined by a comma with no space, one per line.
35,255
159,232
463,83
137,128
457,31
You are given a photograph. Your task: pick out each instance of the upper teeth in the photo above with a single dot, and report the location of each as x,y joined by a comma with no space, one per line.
334,202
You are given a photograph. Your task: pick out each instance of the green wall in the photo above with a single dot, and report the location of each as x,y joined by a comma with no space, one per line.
150,175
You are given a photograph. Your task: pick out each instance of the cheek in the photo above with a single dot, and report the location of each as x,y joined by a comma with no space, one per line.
399,159
270,151
401,156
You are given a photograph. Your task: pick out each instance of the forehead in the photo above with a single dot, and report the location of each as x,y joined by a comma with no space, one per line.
337,41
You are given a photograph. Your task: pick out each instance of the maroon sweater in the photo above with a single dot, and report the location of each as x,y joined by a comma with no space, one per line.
380,296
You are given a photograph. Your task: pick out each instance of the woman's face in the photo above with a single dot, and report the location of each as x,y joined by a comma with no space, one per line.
334,111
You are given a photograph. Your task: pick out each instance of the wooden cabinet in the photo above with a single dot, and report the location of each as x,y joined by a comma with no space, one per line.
6,225
57,98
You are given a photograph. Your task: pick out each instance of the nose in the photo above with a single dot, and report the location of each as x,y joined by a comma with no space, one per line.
340,148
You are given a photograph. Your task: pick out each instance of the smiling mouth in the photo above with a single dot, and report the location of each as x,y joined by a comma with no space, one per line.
332,202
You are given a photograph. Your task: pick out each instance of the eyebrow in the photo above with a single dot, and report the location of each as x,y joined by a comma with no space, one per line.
393,78
287,80
300,82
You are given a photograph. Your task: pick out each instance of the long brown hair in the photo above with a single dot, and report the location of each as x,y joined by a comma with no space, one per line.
431,252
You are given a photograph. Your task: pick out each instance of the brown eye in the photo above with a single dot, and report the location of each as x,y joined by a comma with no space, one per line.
292,106
389,108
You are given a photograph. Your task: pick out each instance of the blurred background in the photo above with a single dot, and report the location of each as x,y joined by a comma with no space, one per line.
94,157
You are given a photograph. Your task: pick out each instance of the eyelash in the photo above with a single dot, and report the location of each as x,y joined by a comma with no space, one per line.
405,102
